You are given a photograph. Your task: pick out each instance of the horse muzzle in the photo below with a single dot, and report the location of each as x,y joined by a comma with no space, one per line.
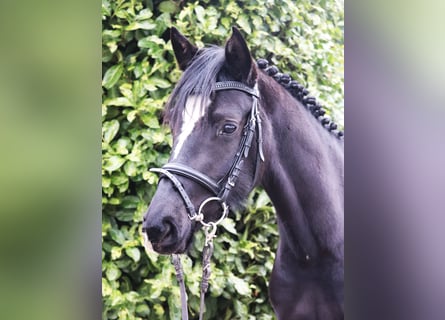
165,233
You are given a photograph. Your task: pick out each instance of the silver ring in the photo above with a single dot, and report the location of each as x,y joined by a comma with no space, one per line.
224,207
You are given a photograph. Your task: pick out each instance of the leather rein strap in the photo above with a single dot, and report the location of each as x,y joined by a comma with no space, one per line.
220,189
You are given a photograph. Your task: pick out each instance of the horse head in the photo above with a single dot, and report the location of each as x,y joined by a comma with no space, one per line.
213,113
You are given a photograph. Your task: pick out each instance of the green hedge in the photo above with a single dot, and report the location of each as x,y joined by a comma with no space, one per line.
139,71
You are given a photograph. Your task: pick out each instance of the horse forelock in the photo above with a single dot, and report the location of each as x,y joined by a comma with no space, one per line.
198,79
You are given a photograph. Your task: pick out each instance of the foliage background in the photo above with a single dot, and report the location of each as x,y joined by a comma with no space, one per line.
304,39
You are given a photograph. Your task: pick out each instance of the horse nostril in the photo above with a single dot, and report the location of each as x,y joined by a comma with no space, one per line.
168,225
144,230
157,233
154,233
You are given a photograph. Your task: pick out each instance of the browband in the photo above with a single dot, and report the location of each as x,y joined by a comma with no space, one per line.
227,85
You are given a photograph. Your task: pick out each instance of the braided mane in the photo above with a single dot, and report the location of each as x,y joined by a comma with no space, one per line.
299,92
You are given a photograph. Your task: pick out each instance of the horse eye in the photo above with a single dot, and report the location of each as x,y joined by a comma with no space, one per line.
228,128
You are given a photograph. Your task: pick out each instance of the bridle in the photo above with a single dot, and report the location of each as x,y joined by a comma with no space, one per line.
220,189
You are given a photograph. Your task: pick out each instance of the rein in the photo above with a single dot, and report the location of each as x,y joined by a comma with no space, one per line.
220,190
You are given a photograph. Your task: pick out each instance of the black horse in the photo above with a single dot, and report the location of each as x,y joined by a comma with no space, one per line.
235,127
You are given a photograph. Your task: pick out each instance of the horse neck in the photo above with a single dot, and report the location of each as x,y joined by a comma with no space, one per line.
303,176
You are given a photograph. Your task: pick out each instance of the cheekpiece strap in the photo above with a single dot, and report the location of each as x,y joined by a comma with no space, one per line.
253,125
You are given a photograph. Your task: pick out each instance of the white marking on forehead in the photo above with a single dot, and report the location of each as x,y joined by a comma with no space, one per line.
192,113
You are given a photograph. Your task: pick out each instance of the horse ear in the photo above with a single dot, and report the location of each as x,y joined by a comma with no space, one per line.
238,58
184,50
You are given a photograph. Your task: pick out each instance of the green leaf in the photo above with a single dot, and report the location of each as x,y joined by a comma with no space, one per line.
150,121
229,225
157,82
226,22
159,310
113,163
130,202
119,178
150,177
112,272
174,304
262,200
118,102
256,270
117,236
110,129
240,285
106,182
167,7
125,215
132,115
106,288
143,310
131,168
157,137
243,22
133,253
126,90
116,252
150,42
114,201
144,14
200,13
112,76
144,25
241,309
123,145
